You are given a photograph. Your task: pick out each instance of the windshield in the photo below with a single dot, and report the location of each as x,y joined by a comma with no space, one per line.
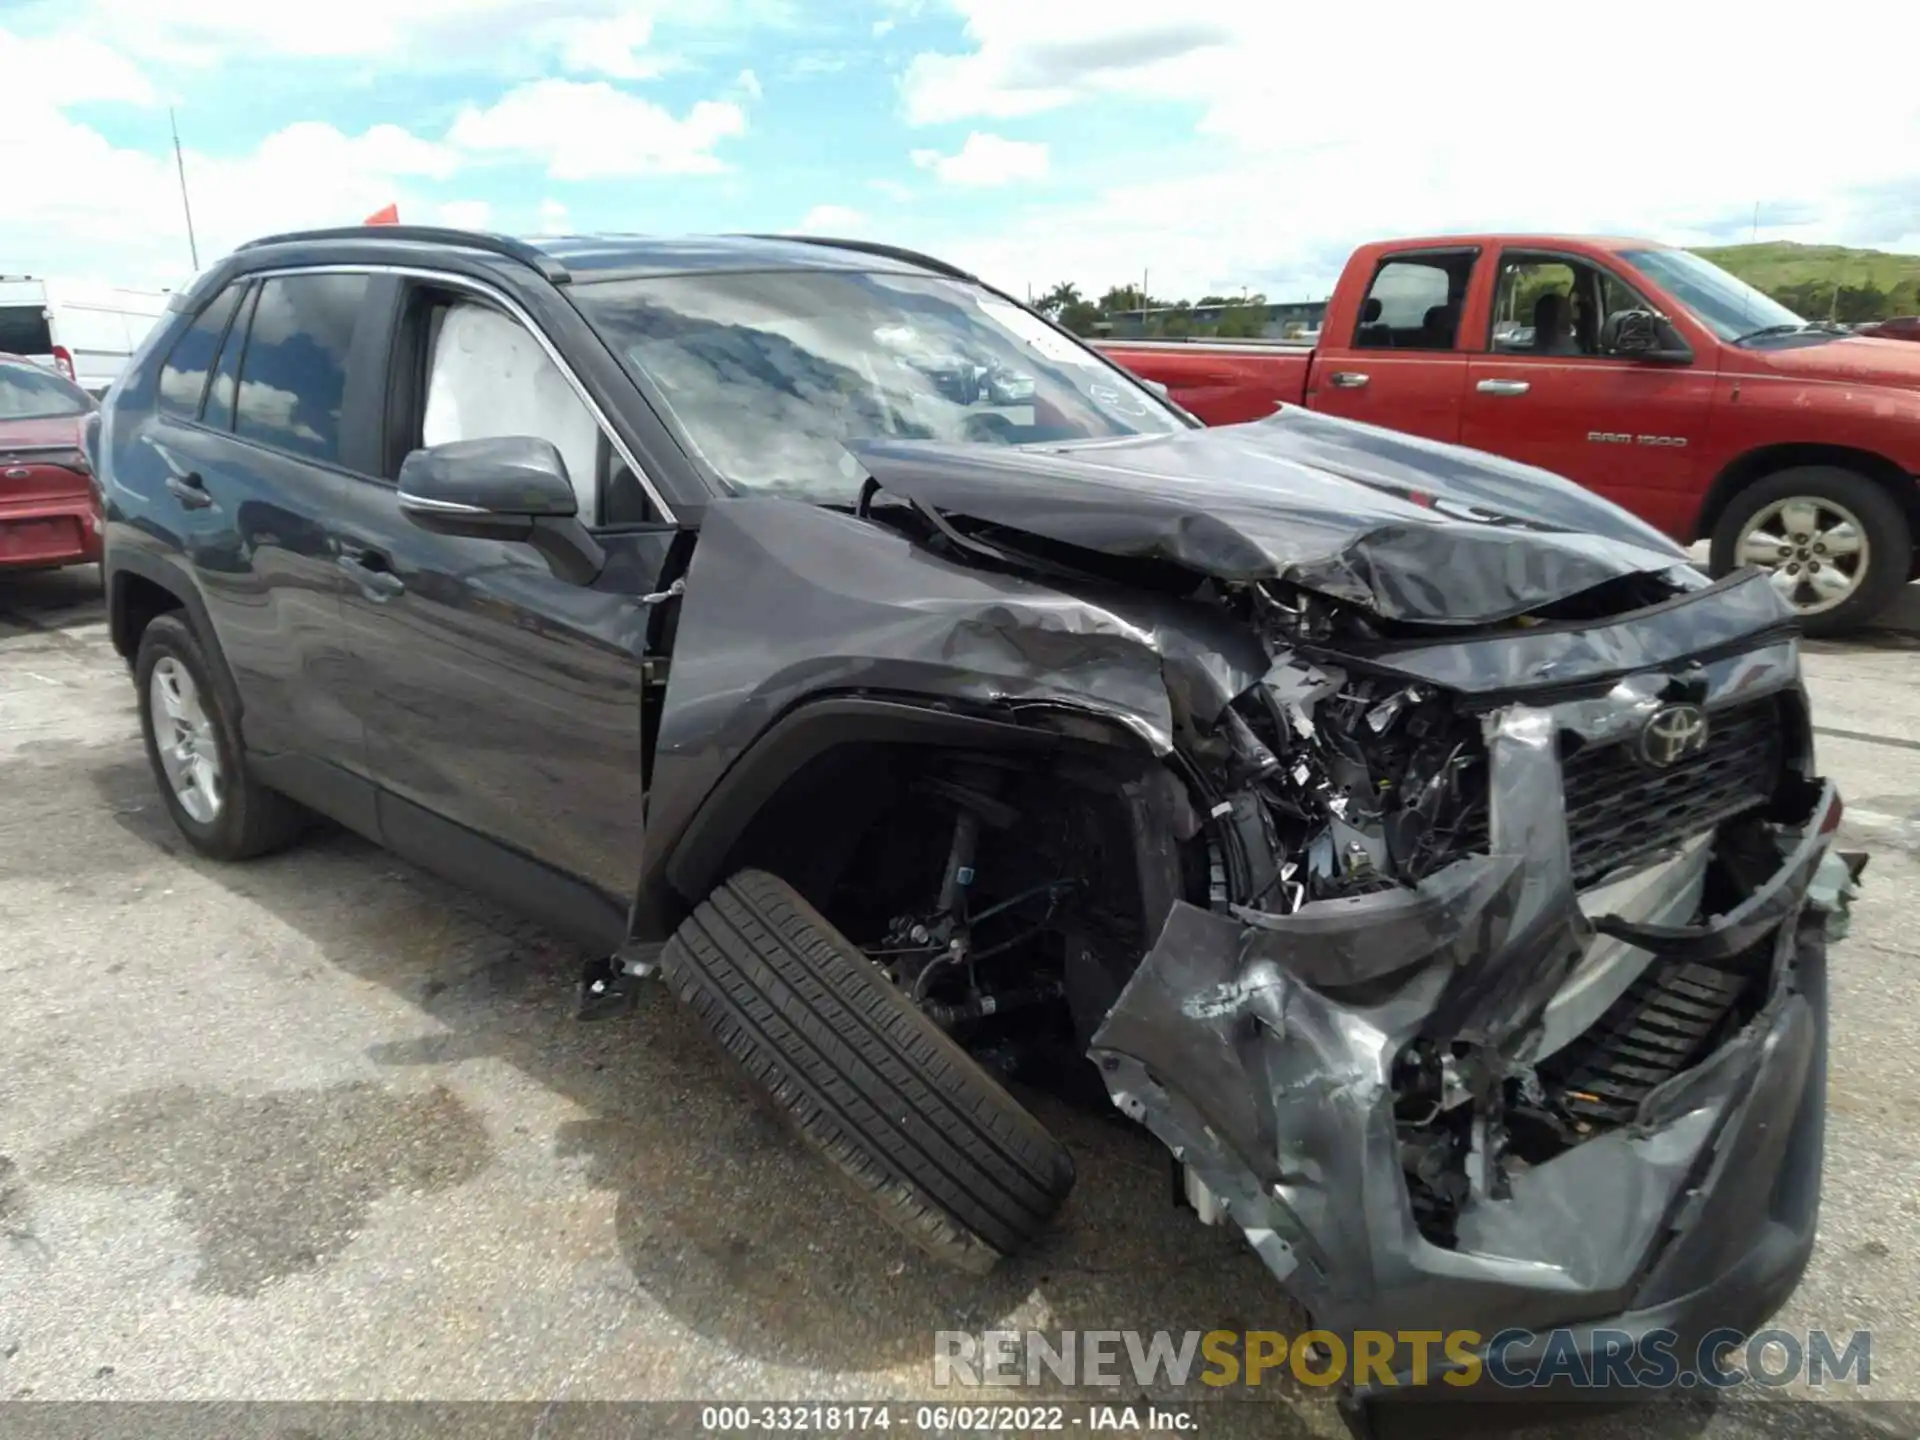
1729,307
768,374
29,393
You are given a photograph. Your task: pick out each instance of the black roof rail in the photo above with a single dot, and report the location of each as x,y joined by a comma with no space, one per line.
874,247
505,245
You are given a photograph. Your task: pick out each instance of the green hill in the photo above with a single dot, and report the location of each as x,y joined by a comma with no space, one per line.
1818,280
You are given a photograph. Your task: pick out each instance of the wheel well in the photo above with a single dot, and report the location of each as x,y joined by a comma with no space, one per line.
1758,464
864,832
136,602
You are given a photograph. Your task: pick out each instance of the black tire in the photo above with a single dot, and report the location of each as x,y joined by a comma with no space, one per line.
947,1157
1889,537
251,820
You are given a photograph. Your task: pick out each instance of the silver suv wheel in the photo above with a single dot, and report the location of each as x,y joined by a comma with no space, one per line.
185,738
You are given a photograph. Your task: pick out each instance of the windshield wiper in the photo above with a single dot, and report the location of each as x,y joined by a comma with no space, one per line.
1793,329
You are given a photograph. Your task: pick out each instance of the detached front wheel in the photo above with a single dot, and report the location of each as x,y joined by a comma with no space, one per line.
1836,546
947,1157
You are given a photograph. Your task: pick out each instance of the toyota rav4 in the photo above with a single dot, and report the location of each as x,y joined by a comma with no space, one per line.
1410,839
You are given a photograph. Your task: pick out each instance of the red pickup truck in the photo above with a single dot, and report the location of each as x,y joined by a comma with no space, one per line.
1643,372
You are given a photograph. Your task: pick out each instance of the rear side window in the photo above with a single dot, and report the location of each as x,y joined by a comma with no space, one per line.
183,379
293,377
24,330
1414,302
226,375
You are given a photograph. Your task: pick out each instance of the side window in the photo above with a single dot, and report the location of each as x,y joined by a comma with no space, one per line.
183,379
226,375
294,376
1548,305
487,376
1414,302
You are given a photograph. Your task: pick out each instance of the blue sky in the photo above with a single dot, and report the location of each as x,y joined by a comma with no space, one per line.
1210,146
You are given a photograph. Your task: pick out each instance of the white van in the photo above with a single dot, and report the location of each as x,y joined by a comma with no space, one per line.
86,332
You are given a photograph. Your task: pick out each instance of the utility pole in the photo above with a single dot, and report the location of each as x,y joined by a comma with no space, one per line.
180,164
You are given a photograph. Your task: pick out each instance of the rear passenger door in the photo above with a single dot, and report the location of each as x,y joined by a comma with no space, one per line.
1403,366
503,706
256,432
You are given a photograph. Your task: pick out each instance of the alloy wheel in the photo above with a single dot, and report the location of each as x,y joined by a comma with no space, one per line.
1815,552
184,736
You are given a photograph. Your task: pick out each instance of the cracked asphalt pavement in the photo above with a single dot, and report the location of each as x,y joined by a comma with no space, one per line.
320,1127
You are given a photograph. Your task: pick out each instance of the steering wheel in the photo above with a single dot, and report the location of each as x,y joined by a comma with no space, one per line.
989,427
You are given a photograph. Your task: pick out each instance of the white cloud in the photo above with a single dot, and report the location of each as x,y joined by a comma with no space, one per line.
76,190
1031,58
748,84
594,131
986,160
883,27
615,45
1290,135
586,36
67,69
464,214
832,220
554,216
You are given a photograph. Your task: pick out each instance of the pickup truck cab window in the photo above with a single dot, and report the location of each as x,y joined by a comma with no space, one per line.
1555,306
767,375
1414,302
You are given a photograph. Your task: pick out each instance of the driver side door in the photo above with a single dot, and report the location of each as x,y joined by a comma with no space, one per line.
1628,429
503,706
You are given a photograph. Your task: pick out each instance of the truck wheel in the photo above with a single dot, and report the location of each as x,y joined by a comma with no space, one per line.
193,745
947,1157
1836,545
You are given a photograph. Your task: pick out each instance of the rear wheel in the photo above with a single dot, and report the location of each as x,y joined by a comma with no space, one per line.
947,1157
1836,546
193,745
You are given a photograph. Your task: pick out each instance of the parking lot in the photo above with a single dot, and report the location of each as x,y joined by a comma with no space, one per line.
320,1127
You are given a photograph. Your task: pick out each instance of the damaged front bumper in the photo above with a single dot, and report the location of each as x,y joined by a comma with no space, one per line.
1268,1053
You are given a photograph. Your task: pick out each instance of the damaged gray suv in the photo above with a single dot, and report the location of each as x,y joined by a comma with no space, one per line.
1412,841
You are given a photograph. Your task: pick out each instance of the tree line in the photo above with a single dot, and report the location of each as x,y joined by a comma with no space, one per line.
1245,316
1241,316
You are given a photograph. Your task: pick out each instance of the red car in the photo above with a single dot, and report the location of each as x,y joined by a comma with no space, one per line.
1901,327
49,514
1643,372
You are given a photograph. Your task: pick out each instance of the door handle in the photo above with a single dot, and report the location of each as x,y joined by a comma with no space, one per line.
1503,387
371,571
1346,379
190,490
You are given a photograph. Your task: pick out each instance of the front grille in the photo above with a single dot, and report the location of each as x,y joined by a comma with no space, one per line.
1620,810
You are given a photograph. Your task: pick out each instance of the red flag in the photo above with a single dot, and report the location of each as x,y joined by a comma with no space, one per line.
385,215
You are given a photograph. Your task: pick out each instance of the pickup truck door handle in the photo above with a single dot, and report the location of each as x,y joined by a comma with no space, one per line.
190,490
1346,379
1503,387
373,573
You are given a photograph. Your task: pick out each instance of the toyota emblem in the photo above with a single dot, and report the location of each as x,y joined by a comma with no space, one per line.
1672,734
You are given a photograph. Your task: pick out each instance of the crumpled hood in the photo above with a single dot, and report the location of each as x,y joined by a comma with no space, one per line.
1410,528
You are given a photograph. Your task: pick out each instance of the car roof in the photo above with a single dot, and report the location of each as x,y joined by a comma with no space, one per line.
585,258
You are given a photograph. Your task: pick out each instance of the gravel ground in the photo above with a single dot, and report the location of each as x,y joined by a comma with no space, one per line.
320,1128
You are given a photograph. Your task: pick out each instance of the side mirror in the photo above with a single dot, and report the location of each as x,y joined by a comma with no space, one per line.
1643,335
511,488
1158,387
